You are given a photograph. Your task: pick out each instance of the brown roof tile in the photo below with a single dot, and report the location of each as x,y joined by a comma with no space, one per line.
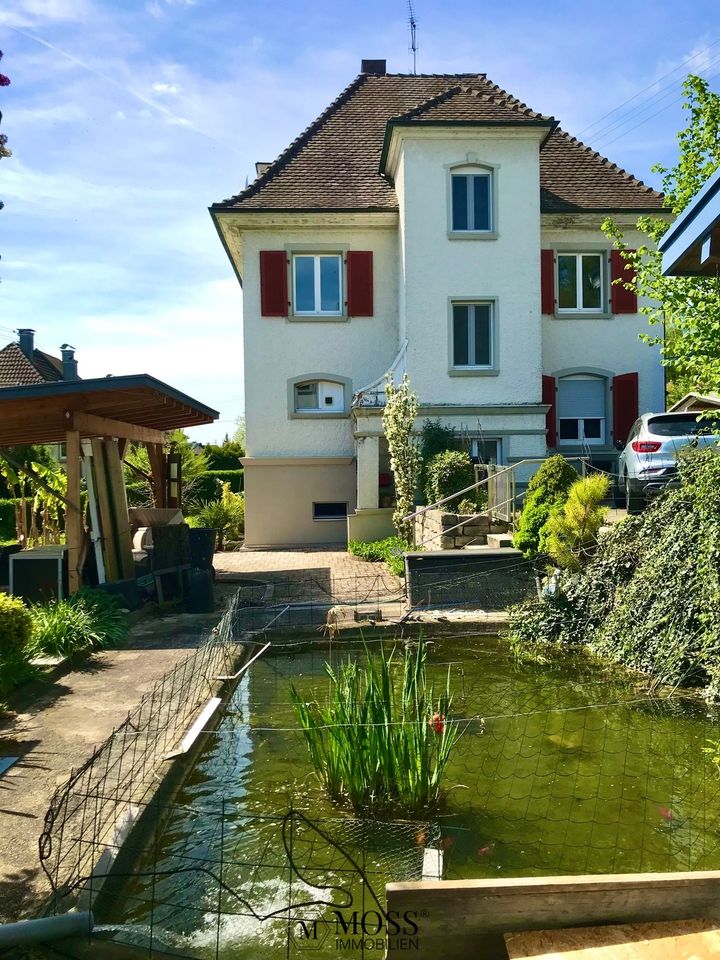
17,370
334,164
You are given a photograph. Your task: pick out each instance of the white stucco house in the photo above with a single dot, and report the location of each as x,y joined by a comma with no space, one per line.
434,225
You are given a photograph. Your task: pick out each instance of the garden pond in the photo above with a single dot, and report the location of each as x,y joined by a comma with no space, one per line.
567,767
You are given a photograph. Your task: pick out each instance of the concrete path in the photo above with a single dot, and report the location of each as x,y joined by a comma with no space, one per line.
54,727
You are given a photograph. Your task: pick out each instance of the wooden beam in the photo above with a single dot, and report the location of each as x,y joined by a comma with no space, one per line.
73,515
455,917
156,455
91,425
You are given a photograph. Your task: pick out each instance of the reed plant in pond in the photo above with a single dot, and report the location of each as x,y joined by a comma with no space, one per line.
382,740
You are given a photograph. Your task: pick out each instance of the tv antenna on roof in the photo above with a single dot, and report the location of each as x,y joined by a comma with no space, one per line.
413,35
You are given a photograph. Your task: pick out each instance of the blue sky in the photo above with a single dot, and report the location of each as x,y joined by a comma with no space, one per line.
128,118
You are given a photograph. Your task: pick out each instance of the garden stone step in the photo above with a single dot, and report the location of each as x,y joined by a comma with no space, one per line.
499,540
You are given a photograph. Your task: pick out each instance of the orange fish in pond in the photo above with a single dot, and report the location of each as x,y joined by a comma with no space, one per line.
665,813
447,842
420,838
487,850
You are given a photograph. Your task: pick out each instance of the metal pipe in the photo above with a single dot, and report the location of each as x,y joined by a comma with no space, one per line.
46,929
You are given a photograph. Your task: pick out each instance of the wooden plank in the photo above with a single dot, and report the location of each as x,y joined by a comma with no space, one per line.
456,917
118,502
92,425
73,514
674,939
104,510
156,456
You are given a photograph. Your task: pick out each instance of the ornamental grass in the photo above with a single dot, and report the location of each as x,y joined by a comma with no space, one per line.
382,740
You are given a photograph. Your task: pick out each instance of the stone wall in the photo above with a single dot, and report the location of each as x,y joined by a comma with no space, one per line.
430,530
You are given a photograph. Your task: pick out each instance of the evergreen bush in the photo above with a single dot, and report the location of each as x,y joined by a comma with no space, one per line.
15,628
572,528
548,488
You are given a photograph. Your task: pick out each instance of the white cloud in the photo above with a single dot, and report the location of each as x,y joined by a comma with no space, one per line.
31,13
169,88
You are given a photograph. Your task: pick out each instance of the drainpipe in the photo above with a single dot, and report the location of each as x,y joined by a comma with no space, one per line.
45,929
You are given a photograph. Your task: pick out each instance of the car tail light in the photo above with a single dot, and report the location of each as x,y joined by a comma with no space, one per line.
646,446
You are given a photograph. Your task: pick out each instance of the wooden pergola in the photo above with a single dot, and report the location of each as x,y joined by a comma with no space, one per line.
135,408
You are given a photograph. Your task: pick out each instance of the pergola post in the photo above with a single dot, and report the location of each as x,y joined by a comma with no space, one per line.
156,455
73,512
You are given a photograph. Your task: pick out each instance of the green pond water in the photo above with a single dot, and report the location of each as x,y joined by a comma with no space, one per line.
566,768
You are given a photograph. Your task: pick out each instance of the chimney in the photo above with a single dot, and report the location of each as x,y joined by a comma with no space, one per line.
69,363
376,68
26,341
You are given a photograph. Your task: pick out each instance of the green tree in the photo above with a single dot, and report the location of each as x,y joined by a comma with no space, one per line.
687,307
573,527
399,415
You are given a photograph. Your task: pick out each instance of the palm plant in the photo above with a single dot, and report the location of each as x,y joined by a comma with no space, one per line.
378,744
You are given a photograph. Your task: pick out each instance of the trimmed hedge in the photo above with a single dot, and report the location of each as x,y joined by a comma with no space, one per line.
7,519
208,485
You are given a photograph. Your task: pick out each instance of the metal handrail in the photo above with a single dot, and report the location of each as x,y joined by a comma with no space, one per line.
466,522
474,486
383,376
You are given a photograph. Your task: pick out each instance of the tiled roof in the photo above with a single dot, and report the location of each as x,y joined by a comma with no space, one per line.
17,370
475,103
334,164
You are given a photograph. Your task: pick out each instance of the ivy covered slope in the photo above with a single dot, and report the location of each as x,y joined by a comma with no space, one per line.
649,597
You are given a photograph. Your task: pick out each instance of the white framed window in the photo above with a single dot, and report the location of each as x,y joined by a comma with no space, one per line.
319,396
581,283
471,197
582,404
472,335
317,284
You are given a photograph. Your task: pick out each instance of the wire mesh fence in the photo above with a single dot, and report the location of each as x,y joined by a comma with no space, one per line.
562,767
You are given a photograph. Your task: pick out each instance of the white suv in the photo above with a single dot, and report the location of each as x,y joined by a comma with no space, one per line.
647,463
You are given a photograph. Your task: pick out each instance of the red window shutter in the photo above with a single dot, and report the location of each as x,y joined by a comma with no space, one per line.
625,404
622,300
547,281
360,283
548,396
273,283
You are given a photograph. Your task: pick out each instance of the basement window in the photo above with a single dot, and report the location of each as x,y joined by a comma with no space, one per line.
330,511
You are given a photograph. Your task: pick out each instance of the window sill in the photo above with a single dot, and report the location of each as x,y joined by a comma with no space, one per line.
472,235
579,315
320,415
473,372
316,318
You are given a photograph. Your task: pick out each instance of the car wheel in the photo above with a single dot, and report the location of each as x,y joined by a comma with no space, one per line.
634,502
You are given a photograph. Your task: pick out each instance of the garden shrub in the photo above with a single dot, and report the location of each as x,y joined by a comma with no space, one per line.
88,620
226,515
15,644
572,528
649,597
15,627
548,488
209,485
435,438
390,550
448,473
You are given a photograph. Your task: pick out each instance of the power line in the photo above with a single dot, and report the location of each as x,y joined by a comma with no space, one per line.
649,86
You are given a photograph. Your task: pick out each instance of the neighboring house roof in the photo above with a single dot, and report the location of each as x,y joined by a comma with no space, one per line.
18,370
691,247
696,401
335,164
